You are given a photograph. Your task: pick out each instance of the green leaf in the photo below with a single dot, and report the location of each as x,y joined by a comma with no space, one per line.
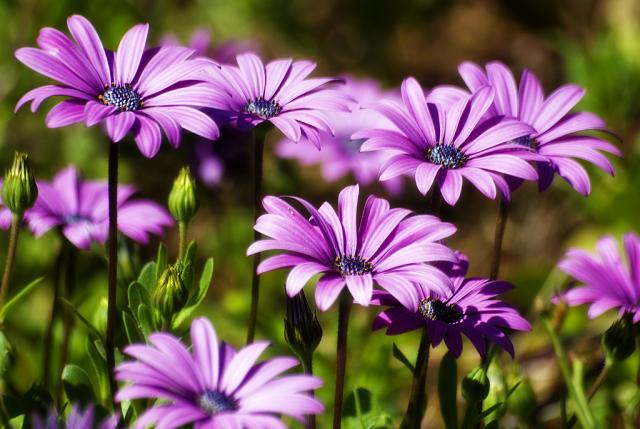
196,299
77,385
357,403
145,320
447,388
397,353
13,301
148,276
161,260
37,399
100,348
92,329
131,327
190,252
99,365
7,354
138,294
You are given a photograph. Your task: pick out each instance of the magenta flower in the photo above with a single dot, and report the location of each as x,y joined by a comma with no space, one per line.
447,145
279,93
77,419
213,386
132,90
608,282
339,154
555,130
389,247
201,43
80,209
468,308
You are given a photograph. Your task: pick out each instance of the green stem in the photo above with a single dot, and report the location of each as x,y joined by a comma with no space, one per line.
470,415
582,410
258,155
182,236
113,266
55,306
602,376
341,356
418,397
67,316
501,223
307,366
11,253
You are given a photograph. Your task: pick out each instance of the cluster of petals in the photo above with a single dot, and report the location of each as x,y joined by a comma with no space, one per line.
607,280
446,142
339,154
556,136
78,418
469,307
132,90
213,386
388,246
81,210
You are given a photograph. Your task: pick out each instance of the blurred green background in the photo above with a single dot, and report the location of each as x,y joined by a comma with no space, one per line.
593,43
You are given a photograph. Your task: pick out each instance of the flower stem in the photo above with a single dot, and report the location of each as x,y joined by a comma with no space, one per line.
113,265
55,305
341,356
11,253
182,237
67,317
307,366
258,154
418,397
501,223
602,376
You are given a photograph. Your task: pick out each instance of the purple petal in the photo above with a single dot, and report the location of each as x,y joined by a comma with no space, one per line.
451,186
95,112
531,97
89,41
361,288
327,290
65,113
129,53
425,175
300,275
556,106
501,78
147,136
205,351
118,125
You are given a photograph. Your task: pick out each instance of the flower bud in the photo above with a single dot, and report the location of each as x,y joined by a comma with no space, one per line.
170,294
19,190
183,202
302,329
619,342
475,385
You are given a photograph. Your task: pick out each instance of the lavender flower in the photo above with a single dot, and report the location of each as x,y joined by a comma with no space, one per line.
389,247
555,130
200,42
130,90
468,308
77,419
608,281
446,145
279,93
340,154
80,209
213,386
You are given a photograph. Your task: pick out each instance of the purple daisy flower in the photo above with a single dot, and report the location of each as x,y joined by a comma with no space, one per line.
200,42
448,144
555,135
468,308
389,247
213,386
80,209
77,419
608,281
130,90
340,154
279,93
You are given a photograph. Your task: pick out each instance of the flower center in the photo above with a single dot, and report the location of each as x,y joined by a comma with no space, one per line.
526,141
351,265
447,156
434,309
264,108
214,402
76,218
122,97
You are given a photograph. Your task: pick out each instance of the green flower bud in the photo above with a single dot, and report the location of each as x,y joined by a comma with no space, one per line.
475,385
302,329
7,354
619,342
170,294
183,202
19,190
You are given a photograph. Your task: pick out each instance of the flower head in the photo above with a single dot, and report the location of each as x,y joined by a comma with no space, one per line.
339,154
80,209
183,199
213,385
279,93
608,282
77,419
388,246
132,90
446,144
555,132
470,307
201,42
19,188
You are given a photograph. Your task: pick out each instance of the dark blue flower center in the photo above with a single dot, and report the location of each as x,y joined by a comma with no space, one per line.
351,265
434,309
76,218
264,108
445,155
526,141
122,97
213,402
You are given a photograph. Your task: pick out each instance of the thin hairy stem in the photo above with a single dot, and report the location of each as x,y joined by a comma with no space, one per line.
341,356
182,239
113,265
418,397
11,254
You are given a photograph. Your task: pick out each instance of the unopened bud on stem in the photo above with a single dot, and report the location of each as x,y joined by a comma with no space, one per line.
19,190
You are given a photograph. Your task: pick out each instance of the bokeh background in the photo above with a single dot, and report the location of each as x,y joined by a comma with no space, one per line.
593,43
